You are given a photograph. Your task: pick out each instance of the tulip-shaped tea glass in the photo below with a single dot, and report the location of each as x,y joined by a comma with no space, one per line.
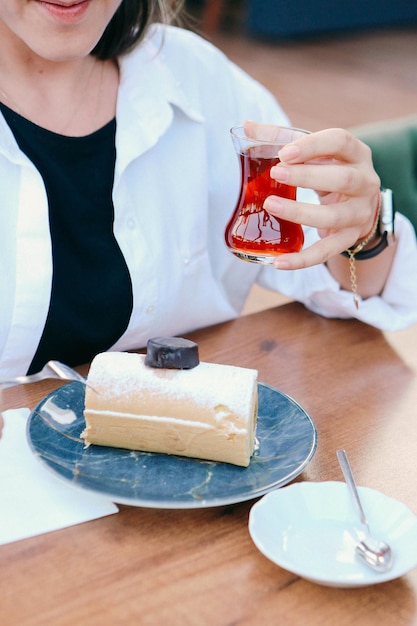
252,234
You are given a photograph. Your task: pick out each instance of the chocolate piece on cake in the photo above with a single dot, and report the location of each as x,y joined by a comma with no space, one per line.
172,353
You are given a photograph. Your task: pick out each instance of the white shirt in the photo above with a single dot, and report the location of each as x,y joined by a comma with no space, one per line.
176,184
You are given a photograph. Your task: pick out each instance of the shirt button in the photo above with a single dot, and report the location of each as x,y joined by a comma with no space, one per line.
150,310
186,261
131,223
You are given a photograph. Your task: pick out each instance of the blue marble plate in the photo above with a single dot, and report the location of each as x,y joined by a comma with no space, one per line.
287,443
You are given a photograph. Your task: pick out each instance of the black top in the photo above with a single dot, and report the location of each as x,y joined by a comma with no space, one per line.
91,298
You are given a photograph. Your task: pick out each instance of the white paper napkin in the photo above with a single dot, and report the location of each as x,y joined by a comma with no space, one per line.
32,500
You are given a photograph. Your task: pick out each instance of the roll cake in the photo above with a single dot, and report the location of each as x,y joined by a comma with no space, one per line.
207,411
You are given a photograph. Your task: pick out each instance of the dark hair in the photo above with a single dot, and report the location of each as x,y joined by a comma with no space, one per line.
130,22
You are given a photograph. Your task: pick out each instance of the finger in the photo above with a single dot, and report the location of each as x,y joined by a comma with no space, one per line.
355,214
322,177
332,142
325,217
314,215
316,254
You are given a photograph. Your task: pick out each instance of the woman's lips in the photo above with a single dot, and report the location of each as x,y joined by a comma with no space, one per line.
68,13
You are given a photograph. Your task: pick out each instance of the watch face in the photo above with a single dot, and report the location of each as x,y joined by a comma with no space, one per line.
387,214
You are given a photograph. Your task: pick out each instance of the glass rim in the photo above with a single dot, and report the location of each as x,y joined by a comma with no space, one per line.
234,131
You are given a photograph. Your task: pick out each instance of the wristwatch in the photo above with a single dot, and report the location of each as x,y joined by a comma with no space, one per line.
385,227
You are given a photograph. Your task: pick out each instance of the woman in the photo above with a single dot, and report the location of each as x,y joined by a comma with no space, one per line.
117,177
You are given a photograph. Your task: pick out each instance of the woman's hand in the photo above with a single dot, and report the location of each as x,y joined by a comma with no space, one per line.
339,168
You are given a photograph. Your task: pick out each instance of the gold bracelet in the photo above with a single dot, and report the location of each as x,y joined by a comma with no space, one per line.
360,246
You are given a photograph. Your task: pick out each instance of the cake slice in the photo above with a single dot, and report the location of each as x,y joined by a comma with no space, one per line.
207,412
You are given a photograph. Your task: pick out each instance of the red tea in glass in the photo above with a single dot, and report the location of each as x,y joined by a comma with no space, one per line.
252,233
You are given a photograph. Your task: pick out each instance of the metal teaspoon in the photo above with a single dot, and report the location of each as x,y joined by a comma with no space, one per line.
375,553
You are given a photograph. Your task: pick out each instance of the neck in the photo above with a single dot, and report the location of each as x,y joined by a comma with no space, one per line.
73,97
73,101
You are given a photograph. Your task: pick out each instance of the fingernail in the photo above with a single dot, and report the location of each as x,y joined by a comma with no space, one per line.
281,264
273,204
289,153
280,173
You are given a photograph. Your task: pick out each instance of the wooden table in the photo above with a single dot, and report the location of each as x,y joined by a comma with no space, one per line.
200,567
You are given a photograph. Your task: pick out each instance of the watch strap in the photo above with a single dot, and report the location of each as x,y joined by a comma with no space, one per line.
363,255
385,228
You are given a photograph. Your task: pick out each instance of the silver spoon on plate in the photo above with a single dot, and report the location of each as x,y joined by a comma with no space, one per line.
374,552
52,369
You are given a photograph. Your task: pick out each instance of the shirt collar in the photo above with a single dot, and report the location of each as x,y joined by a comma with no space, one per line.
146,72
149,94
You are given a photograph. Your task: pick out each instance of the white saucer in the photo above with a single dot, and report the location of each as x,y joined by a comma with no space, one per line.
310,529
